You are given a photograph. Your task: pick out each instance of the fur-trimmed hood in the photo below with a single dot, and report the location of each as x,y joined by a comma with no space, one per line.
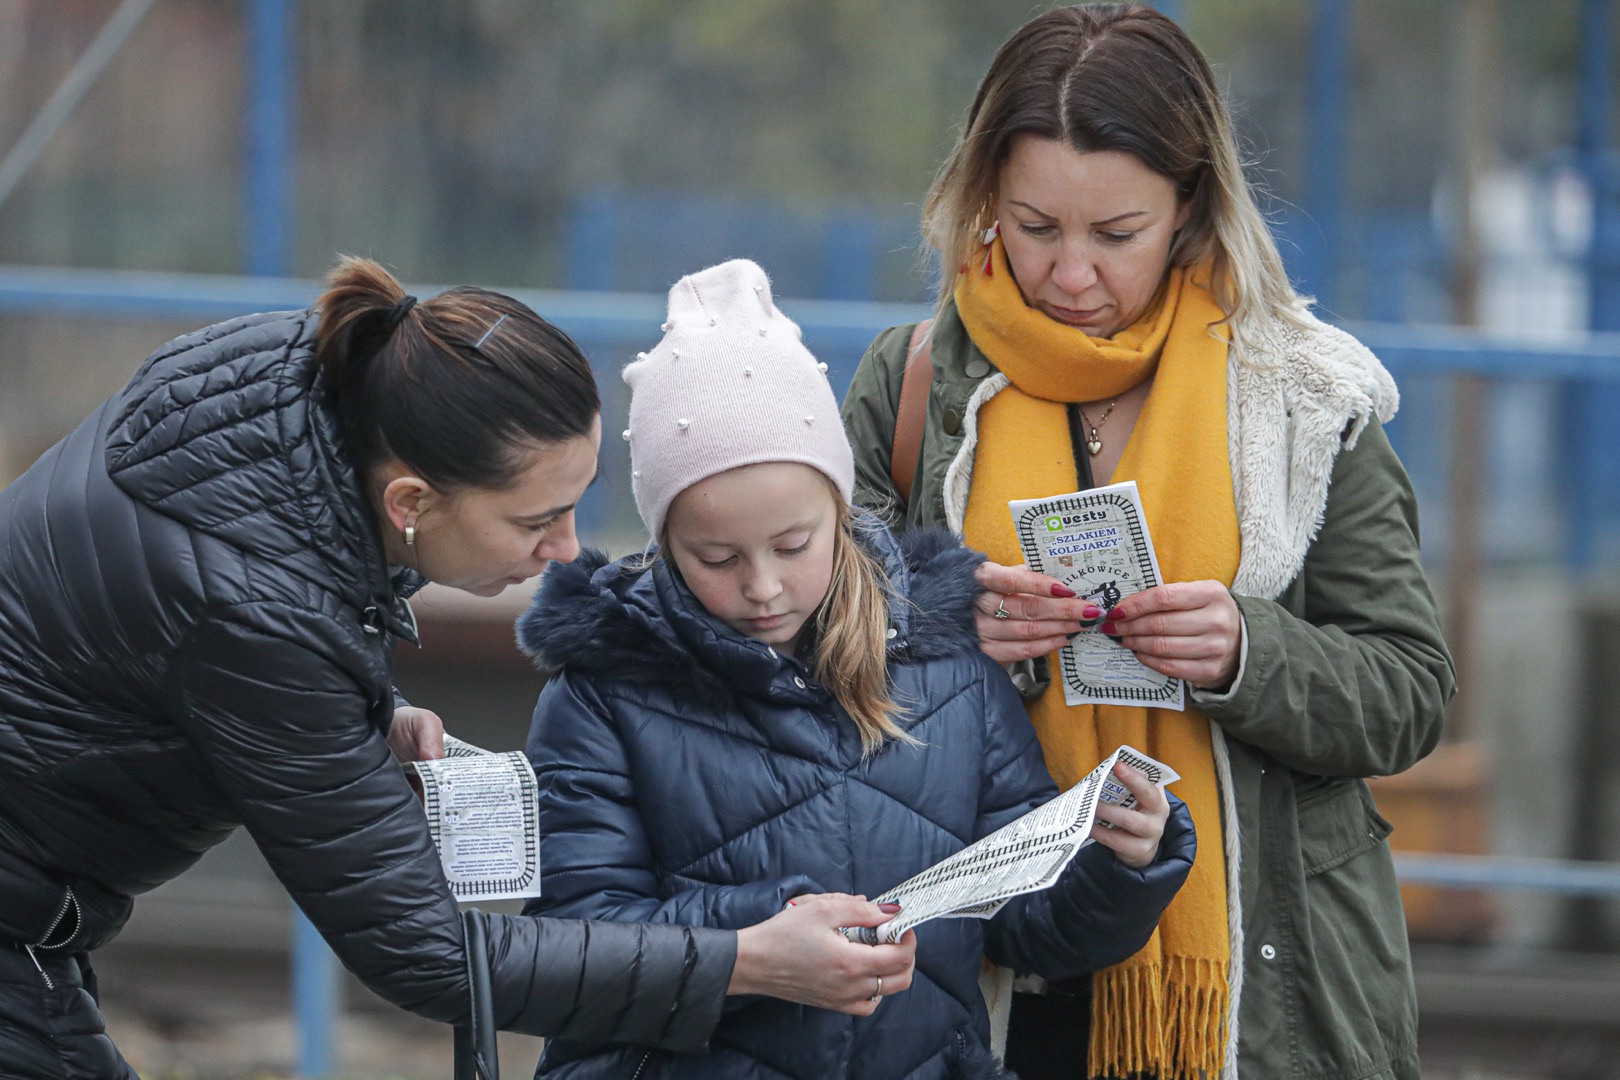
636,621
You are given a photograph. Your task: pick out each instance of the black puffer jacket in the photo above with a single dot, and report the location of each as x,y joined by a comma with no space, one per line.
196,624
692,775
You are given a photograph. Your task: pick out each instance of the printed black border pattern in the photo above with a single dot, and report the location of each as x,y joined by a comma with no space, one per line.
479,890
1085,500
987,855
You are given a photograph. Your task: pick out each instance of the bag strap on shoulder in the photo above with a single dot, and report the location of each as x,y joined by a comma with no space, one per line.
912,413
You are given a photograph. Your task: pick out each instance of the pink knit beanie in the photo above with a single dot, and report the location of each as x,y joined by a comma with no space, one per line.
730,385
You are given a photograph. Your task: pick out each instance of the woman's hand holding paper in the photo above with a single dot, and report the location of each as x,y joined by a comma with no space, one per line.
1038,614
416,735
1188,630
801,955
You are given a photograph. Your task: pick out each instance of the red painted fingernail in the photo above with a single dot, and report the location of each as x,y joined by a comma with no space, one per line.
889,909
1092,611
1110,629
1064,592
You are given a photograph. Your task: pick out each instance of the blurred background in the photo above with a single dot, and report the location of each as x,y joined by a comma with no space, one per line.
1442,176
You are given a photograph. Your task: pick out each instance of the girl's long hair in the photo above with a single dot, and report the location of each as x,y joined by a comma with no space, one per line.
852,638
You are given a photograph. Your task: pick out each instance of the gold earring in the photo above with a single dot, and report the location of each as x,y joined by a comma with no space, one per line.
410,536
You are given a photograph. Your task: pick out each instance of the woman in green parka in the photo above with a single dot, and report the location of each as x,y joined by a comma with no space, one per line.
1118,310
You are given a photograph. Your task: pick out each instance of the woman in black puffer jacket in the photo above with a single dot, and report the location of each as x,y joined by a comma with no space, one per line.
200,589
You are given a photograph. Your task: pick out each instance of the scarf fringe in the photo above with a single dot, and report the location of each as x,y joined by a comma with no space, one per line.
1168,1023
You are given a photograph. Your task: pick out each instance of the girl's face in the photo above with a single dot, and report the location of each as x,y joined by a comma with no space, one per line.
1087,235
755,546
482,540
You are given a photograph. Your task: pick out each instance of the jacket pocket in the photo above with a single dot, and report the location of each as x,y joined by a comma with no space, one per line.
1356,1007
1336,824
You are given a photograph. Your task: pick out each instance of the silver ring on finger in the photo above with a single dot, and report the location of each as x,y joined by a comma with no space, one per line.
879,995
1001,611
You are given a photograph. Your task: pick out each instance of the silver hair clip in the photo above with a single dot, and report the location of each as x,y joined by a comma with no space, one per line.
494,326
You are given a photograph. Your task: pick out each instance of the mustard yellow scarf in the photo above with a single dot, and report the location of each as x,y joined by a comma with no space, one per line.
1163,1011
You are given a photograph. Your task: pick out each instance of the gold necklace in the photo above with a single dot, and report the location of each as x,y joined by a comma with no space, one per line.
1094,444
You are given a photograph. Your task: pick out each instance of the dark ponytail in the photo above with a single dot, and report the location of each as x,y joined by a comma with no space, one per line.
455,386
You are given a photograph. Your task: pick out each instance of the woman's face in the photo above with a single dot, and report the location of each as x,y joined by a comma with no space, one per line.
482,540
1087,234
755,546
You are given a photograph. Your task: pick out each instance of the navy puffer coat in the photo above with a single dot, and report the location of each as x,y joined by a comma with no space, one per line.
694,775
196,632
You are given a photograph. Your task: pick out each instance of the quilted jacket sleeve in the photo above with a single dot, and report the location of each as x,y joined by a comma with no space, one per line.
1347,673
596,862
1100,911
286,733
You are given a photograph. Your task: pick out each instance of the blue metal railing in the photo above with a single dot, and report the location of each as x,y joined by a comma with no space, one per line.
842,326
1503,873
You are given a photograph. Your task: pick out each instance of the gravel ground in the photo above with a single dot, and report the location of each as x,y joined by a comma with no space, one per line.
196,1015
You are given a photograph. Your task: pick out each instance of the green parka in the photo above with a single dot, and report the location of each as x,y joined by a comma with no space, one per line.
1344,673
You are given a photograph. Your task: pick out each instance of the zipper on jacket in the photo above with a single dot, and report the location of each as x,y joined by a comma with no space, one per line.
50,984
69,903
641,1067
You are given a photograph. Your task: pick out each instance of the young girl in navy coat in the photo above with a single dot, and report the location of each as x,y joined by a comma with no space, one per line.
786,702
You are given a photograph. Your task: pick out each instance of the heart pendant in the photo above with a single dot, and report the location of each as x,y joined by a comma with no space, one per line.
1095,446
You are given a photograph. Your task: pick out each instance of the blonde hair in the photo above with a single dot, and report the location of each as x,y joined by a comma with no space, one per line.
852,637
850,644
1117,77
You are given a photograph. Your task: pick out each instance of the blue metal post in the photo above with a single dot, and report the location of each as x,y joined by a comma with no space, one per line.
315,998
1597,159
1594,475
850,248
595,224
267,218
593,235
267,211
1322,237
